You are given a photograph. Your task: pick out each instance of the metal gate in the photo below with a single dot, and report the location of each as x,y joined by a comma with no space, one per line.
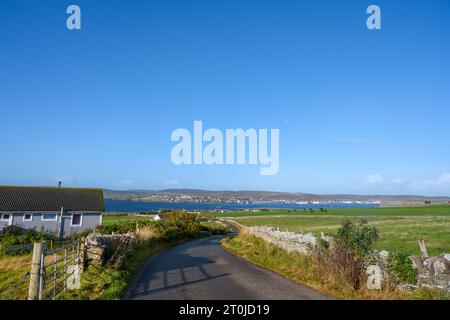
56,271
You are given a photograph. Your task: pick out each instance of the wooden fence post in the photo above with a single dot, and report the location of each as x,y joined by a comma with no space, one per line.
35,274
423,249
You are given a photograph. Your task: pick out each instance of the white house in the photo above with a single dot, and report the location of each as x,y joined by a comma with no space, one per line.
61,211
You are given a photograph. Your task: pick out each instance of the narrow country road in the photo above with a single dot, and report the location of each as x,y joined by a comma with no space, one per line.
201,269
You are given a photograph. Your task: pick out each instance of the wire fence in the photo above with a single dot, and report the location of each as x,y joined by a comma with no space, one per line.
27,248
17,249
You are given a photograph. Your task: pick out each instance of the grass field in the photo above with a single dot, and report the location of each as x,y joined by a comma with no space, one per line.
433,210
397,233
13,282
112,218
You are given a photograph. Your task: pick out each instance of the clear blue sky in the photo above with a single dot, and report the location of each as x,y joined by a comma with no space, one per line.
359,111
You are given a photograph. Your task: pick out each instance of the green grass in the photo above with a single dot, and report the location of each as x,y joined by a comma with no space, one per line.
399,227
432,210
111,218
398,234
12,270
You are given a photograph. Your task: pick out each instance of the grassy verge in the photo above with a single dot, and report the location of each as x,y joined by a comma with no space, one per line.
303,269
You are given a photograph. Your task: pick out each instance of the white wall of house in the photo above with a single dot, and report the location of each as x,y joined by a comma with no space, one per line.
51,221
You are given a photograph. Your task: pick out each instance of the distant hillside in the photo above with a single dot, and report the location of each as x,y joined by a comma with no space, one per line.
195,195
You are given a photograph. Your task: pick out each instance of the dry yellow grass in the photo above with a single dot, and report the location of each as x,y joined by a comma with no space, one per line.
146,233
14,263
12,270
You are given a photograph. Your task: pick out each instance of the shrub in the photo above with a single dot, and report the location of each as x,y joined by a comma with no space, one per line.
16,236
344,258
358,237
324,243
341,262
179,217
401,267
187,223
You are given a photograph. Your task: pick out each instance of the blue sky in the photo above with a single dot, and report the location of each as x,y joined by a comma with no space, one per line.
359,111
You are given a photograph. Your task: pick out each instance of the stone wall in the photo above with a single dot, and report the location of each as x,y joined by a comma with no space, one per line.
95,245
432,272
289,241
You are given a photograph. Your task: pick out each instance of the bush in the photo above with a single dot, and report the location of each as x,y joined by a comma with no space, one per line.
187,223
341,262
358,237
324,244
344,258
401,267
13,236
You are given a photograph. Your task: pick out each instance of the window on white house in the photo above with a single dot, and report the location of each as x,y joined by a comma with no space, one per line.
28,217
6,217
76,220
49,217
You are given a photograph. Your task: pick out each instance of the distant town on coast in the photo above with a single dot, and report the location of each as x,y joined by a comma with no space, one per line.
267,198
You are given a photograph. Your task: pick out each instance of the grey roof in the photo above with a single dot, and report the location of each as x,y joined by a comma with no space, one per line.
50,199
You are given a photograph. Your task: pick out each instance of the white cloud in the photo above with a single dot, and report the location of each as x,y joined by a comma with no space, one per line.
374,179
401,185
443,180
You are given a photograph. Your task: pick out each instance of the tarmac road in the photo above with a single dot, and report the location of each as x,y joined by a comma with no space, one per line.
203,270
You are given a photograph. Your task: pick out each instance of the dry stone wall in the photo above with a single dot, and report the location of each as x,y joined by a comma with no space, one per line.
432,272
289,241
